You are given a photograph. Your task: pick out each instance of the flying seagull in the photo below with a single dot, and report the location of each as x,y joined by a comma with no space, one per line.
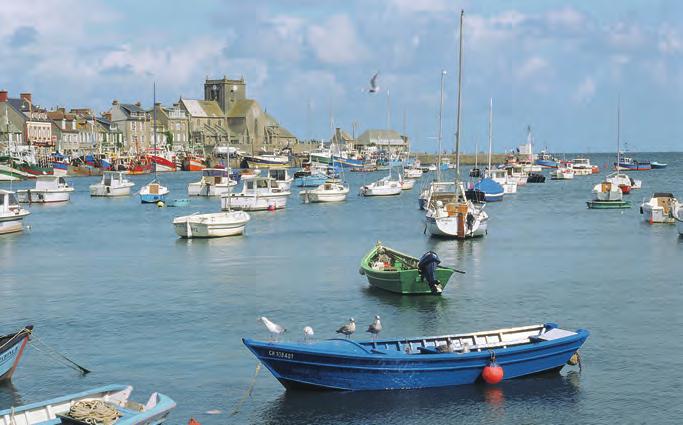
348,328
375,328
374,88
272,327
308,332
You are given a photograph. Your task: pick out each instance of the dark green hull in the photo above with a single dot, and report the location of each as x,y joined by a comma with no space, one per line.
605,205
401,276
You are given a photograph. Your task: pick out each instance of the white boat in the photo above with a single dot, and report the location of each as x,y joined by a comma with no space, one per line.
660,208
266,160
282,177
11,213
258,194
414,172
501,177
48,188
606,191
382,187
562,173
407,184
450,214
109,404
330,191
154,191
212,225
214,182
114,183
624,181
582,166
432,167
679,221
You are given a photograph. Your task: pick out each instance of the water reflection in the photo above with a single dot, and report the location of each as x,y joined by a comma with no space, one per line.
546,392
9,395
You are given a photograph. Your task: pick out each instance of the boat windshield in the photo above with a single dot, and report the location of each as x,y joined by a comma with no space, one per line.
11,200
278,174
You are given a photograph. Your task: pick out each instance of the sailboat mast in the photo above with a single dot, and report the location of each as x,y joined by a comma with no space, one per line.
154,113
618,133
457,130
438,165
490,132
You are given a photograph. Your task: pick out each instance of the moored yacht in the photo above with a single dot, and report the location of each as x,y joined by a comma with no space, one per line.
258,194
11,213
113,183
214,182
330,191
660,208
49,188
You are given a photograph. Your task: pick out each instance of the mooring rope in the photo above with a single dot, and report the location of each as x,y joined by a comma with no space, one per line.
94,412
247,394
56,355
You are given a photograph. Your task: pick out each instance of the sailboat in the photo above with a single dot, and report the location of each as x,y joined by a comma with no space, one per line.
154,191
622,180
449,212
382,187
495,183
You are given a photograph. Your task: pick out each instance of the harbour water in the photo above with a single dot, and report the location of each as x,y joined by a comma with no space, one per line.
107,282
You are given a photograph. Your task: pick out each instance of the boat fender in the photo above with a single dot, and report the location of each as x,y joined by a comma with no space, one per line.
641,210
161,204
492,373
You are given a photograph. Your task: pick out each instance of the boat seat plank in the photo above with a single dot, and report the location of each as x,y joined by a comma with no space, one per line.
552,334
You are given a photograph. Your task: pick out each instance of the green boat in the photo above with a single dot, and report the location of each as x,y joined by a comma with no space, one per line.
396,272
604,205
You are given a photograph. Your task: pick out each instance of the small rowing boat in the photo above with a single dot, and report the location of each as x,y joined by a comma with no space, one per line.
110,402
400,273
422,362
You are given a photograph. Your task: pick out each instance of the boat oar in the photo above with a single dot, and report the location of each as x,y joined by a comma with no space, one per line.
57,356
452,268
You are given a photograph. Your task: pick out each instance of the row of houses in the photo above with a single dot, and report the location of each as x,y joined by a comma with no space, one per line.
225,117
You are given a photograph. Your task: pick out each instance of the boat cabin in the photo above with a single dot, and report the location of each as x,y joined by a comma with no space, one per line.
279,174
50,183
8,201
260,185
214,175
113,178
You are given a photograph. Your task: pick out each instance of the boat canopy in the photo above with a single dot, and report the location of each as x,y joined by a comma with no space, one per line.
663,195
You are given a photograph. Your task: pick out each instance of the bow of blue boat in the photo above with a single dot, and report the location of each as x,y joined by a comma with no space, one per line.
341,364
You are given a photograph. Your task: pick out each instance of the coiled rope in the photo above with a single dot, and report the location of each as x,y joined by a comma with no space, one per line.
94,412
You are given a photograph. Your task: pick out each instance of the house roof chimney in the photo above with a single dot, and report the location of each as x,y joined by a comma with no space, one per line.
3,95
26,97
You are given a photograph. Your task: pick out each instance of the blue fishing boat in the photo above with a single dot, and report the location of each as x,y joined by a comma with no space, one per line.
493,191
339,161
423,362
312,180
111,402
11,348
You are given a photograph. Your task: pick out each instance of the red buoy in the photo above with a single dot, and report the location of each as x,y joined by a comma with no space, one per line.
492,372
271,207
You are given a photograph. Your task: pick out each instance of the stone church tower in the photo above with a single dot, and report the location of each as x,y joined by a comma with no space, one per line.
225,92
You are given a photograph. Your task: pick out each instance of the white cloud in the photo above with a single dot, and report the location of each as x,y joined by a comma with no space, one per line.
669,41
585,90
336,41
568,18
625,36
417,6
532,67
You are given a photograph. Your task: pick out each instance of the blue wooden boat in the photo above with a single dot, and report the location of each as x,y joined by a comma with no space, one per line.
57,410
347,365
11,348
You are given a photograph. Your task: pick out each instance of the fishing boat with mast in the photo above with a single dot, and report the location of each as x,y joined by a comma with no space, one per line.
449,213
154,191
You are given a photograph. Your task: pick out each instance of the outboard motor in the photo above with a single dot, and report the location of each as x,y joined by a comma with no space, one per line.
427,268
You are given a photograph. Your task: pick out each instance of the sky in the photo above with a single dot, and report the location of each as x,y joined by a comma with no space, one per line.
559,67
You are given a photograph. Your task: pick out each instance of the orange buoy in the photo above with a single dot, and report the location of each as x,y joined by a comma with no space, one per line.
193,421
492,372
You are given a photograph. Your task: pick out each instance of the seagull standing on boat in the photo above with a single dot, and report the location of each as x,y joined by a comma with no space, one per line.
274,329
375,328
308,332
447,347
348,328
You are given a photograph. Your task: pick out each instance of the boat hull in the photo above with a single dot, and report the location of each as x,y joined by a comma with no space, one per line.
450,227
216,225
12,349
238,201
34,196
199,189
361,369
603,205
162,164
109,191
312,196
